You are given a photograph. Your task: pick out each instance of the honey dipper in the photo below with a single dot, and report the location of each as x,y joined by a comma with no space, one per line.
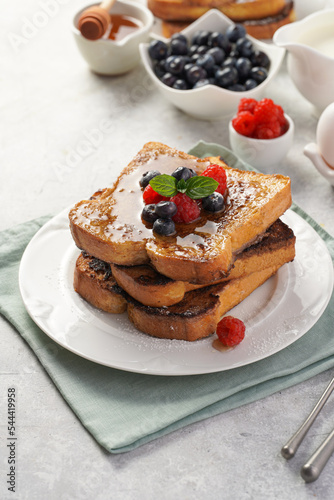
94,21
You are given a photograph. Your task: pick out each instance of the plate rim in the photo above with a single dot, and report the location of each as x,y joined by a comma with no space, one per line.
150,371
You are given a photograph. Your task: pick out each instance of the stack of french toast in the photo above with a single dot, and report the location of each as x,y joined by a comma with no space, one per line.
179,286
261,18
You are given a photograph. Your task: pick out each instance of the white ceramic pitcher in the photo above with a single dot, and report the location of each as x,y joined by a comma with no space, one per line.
310,46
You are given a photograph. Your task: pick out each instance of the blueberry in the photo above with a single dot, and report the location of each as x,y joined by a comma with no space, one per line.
192,50
183,173
234,32
217,39
229,62
180,37
148,213
226,77
207,62
195,73
168,79
202,49
194,58
244,47
217,53
165,209
158,49
213,203
259,58
164,227
194,38
243,67
258,74
159,68
202,83
144,181
187,66
180,84
174,65
177,47
201,37
250,84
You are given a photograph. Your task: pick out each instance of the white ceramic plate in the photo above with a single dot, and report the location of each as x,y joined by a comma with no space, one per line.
276,314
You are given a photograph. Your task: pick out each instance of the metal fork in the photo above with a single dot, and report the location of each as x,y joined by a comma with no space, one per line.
313,468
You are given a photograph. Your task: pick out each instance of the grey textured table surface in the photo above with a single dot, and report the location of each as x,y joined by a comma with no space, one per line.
55,150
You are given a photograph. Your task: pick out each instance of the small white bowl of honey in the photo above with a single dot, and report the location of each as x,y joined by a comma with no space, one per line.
117,51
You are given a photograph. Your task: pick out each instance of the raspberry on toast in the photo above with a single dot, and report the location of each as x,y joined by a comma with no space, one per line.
110,227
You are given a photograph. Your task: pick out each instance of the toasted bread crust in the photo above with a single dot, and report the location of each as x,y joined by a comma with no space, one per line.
265,28
198,314
151,288
265,199
178,10
258,24
97,288
110,228
195,316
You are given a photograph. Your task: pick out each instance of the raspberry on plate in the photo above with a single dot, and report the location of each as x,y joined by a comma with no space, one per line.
188,210
217,173
150,196
244,123
230,331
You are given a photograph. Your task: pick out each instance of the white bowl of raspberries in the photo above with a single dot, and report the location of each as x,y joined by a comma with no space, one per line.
261,134
206,68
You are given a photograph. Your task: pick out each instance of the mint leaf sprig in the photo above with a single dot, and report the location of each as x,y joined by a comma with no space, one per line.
196,187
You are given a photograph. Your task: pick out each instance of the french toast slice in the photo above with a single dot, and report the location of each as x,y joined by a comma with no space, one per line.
151,288
197,314
110,227
93,280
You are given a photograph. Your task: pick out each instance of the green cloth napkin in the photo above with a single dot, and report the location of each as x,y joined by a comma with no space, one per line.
124,410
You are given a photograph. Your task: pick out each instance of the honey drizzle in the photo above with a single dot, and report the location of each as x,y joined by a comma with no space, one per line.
216,344
117,215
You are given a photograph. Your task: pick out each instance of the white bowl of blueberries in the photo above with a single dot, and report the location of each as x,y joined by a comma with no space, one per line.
209,66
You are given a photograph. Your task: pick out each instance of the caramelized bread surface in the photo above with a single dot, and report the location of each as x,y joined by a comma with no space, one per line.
265,28
110,227
94,281
257,25
195,316
151,288
178,10
197,313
